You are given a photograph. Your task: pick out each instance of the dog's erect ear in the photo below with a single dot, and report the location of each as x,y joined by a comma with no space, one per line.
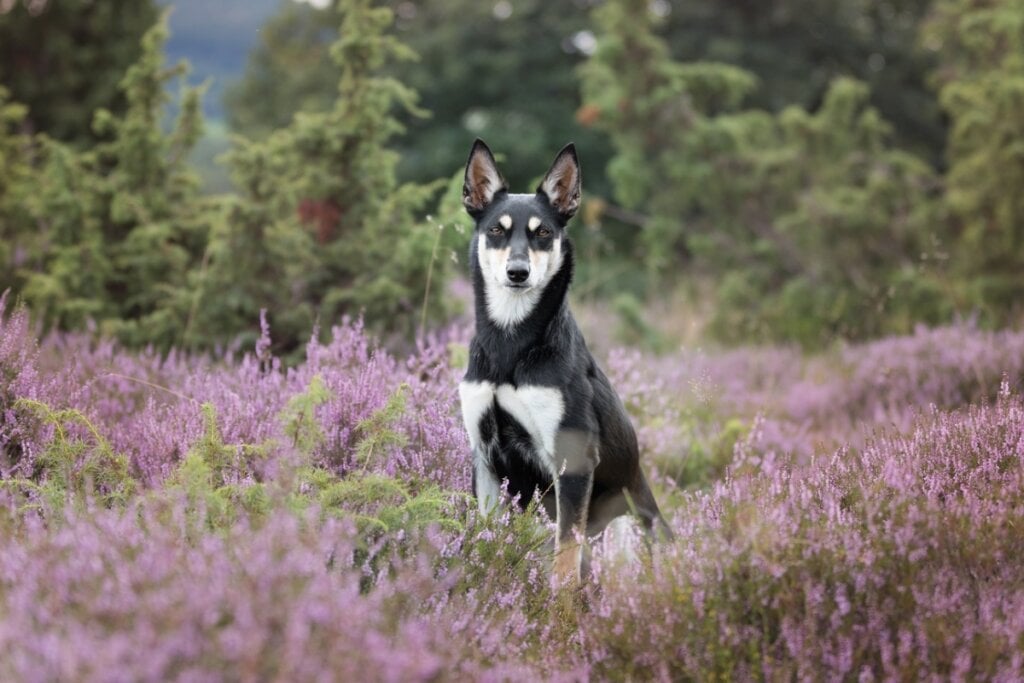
483,179
561,185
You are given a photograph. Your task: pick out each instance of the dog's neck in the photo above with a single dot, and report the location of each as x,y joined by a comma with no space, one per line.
551,305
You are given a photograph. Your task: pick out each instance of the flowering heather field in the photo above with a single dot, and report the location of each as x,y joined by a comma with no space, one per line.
855,515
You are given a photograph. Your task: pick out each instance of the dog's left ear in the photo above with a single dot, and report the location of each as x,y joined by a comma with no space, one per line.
562,183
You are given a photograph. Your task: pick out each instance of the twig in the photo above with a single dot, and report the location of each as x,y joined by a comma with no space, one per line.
151,385
430,273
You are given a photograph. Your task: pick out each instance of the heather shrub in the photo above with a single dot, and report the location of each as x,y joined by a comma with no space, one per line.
292,598
74,464
188,516
893,562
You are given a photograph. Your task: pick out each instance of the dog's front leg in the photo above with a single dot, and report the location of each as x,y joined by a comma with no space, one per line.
486,486
575,460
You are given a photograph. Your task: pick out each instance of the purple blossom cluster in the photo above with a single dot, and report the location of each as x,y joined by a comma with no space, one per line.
807,405
149,406
900,561
852,515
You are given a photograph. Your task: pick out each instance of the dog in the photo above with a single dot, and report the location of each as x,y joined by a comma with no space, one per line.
540,414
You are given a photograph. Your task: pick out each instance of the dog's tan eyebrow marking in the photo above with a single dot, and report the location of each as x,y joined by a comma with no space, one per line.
534,223
506,221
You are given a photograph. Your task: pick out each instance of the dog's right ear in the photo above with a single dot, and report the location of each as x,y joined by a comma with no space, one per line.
483,180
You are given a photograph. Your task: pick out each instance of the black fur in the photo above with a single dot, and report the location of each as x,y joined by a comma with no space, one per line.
547,349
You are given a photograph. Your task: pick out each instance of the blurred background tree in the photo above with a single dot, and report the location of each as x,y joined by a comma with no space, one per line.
64,59
502,71
17,221
289,70
797,48
980,81
813,224
322,209
122,221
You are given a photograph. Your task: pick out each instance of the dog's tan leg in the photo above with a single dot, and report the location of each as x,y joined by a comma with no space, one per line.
576,459
566,569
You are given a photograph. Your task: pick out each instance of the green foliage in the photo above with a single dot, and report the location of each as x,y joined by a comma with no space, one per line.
742,155
289,70
78,463
797,48
321,209
633,330
635,92
815,224
225,462
255,246
18,244
64,58
299,416
371,253
981,88
516,89
378,503
215,480
840,234
708,459
211,504
123,220
119,234
376,432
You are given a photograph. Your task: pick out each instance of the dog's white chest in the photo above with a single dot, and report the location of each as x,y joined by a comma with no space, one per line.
539,410
477,398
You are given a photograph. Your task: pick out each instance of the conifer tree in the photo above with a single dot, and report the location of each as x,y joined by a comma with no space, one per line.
372,253
123,221
651,106
811,225
981,87
323,228
18,240
258,258
63,57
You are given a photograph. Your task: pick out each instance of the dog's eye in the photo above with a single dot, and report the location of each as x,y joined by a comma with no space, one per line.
543,232
496,231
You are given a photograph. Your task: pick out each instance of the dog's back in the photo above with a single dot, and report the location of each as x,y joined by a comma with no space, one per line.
539,411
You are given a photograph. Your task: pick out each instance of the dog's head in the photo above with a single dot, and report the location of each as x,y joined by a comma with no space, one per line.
519,237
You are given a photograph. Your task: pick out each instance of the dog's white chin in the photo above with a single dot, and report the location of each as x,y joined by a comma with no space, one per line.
508,306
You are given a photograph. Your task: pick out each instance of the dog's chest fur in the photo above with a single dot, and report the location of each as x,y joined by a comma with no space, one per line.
513,421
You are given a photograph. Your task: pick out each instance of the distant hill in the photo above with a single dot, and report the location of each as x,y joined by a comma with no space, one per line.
216,39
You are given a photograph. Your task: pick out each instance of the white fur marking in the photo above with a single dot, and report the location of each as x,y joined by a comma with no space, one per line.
505,221
533,223
621,541
477,398
507,306
539,410
488,488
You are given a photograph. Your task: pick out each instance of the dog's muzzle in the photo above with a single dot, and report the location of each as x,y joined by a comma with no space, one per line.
517,272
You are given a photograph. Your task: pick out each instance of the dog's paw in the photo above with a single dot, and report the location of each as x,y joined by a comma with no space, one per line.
566,571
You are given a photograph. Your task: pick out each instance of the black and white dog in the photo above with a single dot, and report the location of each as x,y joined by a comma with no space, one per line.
539,411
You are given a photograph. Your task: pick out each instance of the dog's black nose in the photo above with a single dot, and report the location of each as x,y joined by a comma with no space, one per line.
518,272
